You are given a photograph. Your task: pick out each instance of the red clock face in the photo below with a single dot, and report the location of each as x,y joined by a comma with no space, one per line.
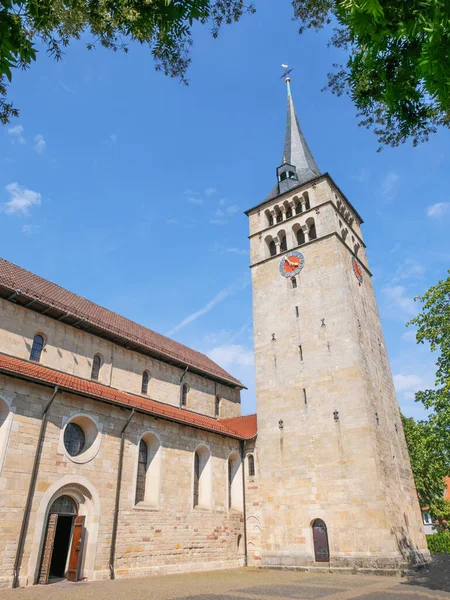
357,270
292,264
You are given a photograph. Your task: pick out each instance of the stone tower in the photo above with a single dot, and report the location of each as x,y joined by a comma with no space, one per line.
335,479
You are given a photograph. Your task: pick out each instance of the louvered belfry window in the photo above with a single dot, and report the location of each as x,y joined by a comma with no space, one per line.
196,477
96,364
142,472
36,349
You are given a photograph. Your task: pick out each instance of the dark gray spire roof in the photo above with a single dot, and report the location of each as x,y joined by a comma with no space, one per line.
296,151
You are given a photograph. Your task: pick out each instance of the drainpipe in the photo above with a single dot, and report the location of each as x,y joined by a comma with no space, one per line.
31,488
181,387
112,554
243,499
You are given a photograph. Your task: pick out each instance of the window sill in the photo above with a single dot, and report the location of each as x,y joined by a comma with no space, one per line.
202,508
146,507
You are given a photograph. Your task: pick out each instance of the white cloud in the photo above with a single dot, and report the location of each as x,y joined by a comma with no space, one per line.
408,383
409,269
194,199
236,251
397,299
438,210
171,221
16,134
210,191
220,297
232,354
389,184
39,143
363,175
29,229
21,199
218,221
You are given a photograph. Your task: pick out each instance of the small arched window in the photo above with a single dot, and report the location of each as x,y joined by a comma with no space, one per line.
289,213
279,217
307,204
217,407
142,472
298,208
36,348
96,364
312,231
251,465
270,219
300,237
294,282
272,248
145,380
184,394
283,244
196,478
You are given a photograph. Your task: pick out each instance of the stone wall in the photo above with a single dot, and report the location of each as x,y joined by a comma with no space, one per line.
71,350
172,536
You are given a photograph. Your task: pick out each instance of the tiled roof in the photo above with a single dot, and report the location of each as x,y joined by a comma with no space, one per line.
34,372
245,426
36,288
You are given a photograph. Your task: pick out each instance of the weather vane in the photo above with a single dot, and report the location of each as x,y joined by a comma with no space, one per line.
286,71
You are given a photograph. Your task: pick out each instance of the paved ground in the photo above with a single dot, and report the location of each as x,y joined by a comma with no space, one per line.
251,584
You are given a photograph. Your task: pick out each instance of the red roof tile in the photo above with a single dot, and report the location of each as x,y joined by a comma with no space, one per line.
245,426
35,372
32,286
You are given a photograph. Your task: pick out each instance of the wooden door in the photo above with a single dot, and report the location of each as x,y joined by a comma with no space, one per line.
76,550
320,537
44,571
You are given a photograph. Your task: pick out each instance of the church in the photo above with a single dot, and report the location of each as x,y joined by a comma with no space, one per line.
124,453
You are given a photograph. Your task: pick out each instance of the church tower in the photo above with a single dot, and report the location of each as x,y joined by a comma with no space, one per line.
336,485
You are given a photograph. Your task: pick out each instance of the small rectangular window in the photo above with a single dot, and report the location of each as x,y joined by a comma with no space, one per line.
297,313
304,396
217,407
300,349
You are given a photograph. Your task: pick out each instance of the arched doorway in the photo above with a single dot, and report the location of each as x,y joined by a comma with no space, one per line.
320,537
63,541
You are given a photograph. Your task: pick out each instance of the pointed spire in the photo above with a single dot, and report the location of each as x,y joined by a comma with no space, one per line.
296,151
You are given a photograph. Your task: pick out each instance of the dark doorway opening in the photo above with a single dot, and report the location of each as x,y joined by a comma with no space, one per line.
61,546
320,538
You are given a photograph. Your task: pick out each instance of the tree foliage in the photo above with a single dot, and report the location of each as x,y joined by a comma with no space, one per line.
163,25
397,71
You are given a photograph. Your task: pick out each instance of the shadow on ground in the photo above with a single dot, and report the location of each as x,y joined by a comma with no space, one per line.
435,577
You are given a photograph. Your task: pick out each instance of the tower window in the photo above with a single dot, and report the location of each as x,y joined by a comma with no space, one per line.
145,380
142,472
298,208
36,349
251,465
96,364
184,394
300,237
270,220
289,213
307,204
283,244
217,407
272,248
312,232
294,282
279,217
297,313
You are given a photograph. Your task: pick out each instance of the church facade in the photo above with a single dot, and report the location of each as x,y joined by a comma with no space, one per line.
124,453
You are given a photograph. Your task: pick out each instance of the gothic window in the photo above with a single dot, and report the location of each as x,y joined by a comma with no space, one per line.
145,380
283,244
294,282
217,407
184,394
251,465
272,248
36,349
141,472
300,237
74,439
96,364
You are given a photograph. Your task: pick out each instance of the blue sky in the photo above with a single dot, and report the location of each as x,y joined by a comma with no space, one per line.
129,188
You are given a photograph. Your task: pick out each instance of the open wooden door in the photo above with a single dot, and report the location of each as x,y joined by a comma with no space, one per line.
76,550
44,571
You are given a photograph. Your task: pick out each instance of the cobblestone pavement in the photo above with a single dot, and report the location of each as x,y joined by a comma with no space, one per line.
252,584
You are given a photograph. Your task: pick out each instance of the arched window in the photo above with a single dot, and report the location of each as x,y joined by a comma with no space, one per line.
217,407
312,231
279,217
202,491
272,248
5,428
289,213
141,472
300,236
283,244
148,479
36,348
145,380
320,539
96,364
307,204
298,207
270,219
64,505
294,282
251,465
184,394
234,482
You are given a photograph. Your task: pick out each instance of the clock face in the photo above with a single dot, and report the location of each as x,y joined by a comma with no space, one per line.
292,264
357,269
